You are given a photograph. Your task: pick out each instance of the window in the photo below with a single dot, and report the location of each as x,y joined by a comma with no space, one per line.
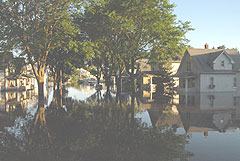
211,98
188,66
211,80
211,85
222,63
235,82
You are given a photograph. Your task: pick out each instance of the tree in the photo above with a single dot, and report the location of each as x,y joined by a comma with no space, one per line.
151,32
95,25
221,47
29,26
64,55
132,30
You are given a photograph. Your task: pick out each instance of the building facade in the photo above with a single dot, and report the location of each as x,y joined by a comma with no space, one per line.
209,70
16,75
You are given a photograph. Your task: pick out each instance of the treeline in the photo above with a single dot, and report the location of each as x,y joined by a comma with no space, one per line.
106,36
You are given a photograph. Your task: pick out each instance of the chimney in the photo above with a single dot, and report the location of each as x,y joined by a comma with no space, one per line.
206,46
205,133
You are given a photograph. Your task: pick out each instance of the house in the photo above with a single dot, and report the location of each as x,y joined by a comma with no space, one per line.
16,75
209,70
155,78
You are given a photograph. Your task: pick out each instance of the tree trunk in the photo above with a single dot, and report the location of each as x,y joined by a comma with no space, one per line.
132,77
98,76
59,87
119,85
108,83
132,109
54,80
98,80
41,92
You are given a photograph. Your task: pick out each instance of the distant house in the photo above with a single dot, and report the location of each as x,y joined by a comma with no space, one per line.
150,72
16,75
153,79
209,70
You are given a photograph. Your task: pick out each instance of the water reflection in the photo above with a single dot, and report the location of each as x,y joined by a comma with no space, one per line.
14,104
209,112
137,128
81,92
9,101
94,133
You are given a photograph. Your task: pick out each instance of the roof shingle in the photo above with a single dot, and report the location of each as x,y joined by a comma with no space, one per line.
203,58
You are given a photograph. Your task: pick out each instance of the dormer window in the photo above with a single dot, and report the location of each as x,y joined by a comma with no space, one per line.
222,63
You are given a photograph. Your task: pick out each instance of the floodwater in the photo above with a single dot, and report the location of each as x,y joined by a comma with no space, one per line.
188,126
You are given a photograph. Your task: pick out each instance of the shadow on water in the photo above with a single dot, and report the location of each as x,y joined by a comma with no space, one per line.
88,132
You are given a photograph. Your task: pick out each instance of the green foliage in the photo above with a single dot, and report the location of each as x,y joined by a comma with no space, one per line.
33,28
221,47
121,32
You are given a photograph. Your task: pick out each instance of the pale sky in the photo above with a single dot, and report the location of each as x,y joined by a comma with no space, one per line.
216,22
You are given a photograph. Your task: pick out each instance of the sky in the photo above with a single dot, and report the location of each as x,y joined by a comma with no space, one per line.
216,22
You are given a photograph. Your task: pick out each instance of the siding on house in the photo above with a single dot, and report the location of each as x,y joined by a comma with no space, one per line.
222,82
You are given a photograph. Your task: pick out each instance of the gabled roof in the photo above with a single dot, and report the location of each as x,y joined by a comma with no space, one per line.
204,58
226,54
195,51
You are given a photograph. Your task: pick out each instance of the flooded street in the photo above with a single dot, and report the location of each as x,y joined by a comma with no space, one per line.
194,127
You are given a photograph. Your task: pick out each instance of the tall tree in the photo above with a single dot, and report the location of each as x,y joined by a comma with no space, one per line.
132,30
151,31
64,55
29,26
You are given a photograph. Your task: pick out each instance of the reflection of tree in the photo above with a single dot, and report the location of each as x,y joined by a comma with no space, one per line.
87,133
100,98
39,140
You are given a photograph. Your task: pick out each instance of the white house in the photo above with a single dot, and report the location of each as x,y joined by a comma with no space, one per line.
209,70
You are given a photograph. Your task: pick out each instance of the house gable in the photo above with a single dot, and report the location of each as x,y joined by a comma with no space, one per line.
187,64
212,70
223,62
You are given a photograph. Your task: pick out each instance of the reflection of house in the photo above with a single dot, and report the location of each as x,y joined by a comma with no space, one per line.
14,104
164,115
209,70
159,116
9,101
203,112
210,101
